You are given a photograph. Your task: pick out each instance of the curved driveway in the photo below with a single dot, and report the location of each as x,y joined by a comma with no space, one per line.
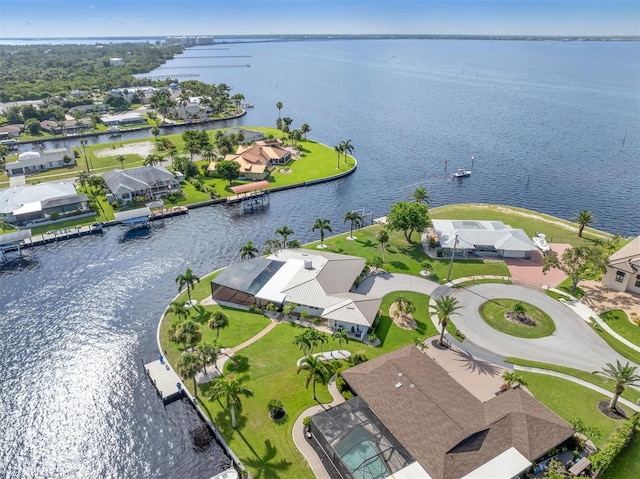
572,344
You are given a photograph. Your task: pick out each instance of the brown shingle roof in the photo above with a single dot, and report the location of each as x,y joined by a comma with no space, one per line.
443,426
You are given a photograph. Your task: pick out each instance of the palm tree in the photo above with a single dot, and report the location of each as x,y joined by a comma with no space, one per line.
229,390
584,218
279,107
338,149
404,307
271,246
121,159
218,321
83,178
511,378
419,342
275,408
285,232
208,354
188,367
178,310
358,357
347,149
202,315
341,335
316,370
304,128
186,332
623,376
322,225
248,251
355,219
303,342
420,194
316,338
383,239
152,160
445,307
187,279
155,131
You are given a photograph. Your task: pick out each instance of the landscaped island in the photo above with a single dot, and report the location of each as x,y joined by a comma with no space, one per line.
282,367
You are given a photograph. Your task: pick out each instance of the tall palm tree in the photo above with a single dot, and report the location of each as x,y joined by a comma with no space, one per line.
155,131
338,149
316,370
584,218
83,178
152,160
383,239
178,309
285,232
623,376
248,251
303,342
279,107
316,338
323,225
355,219
305,128
347,149
341,335
208,354
420,194
121,159
445,307
186,332
187,279
404,307
188,367
229,390
218,321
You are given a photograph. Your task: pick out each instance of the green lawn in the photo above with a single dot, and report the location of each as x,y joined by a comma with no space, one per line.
493,311
608,384
570,400
556,229
621,348
618,320
408,258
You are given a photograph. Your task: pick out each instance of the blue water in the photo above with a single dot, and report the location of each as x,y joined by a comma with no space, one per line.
544,120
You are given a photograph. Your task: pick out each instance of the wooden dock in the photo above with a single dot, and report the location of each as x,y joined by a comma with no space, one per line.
167,382
62,234
168,212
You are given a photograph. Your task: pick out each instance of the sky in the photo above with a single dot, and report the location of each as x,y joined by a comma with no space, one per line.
98,18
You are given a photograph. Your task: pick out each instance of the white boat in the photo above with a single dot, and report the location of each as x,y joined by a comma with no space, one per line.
540,240
461,173
230,473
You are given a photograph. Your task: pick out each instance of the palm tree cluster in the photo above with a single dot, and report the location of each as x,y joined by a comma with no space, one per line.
344,148
355,219
308,340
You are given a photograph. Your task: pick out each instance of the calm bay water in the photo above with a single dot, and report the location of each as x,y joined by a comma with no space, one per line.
544,120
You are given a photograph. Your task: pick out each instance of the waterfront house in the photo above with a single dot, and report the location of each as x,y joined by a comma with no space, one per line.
318,282
481,239
65,127
20,205
257,161
11,131
411,419
37,161
124,119
623,268
147,182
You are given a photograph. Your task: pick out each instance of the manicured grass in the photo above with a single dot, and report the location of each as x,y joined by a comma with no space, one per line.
627,463
608,384
570,400
556,229
618,320
407,258
492,313
38,230
565,286
619,347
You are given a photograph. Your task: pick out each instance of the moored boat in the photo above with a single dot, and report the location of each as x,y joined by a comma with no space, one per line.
540,240
461,173
230,473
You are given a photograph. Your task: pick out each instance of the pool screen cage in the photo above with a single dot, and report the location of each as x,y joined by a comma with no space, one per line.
357,443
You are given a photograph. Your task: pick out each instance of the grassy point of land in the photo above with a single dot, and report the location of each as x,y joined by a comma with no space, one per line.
493,312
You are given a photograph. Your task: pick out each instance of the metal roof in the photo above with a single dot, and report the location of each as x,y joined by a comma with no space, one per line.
126,216
471,234
14,237
16,197
258,185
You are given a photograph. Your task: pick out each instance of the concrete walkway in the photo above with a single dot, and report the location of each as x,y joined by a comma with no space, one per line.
586,384
329,355
298,431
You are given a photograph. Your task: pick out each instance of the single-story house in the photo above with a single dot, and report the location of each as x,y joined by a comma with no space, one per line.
65,126
78,94
482,238
318,282
250,136
11,131
257,161
148,182
411,419
121,119
20,205
192,110
36,161
623,268
114,62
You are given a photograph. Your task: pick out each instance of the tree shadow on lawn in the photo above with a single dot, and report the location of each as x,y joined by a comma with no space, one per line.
265,467
237,364
399,265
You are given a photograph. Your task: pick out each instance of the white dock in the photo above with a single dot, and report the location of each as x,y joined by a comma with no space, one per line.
166,381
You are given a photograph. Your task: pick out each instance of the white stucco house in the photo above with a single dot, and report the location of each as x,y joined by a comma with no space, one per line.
478,238
623,268
318,282
149,182
36,161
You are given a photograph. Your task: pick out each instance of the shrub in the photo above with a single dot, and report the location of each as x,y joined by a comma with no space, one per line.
304,314
317,321
306,422
255,309
54,215
373,338
341,383
618,440
347,395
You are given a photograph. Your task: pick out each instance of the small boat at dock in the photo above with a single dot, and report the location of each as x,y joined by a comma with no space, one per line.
461,173
230,473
